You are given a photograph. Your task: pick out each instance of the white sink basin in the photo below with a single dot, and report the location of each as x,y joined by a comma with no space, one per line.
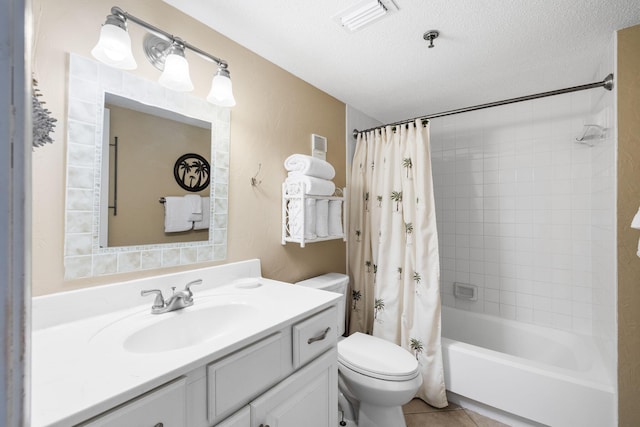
185,328
205,321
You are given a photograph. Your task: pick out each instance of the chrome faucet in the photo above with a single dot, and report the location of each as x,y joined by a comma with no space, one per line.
177,301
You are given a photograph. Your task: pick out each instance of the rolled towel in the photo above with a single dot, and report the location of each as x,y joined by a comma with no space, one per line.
296,222
309,185
176,214
335,218
322,217
311,166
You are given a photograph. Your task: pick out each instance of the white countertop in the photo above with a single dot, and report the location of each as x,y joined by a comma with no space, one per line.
80,367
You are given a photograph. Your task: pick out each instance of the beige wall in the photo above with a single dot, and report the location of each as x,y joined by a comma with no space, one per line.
275,116
148,147
628,85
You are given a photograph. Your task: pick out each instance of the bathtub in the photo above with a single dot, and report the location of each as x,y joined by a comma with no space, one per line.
536,375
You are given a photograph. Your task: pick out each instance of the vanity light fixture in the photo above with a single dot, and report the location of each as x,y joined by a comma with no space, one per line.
176,69
165,51
114,45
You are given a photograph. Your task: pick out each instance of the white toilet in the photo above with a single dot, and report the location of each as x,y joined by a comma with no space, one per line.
376,377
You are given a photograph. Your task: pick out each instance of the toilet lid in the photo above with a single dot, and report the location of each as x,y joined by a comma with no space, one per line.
376,358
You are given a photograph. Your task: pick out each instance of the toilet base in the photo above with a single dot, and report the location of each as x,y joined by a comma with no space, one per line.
380,416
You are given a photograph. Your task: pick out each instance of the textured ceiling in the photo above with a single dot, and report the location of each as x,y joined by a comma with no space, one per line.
488,50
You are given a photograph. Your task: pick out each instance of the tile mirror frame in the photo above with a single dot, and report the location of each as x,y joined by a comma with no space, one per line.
89,80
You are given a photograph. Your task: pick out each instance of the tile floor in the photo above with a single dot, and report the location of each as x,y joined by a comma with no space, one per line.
419,414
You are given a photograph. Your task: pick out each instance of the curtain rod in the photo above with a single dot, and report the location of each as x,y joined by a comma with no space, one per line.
607,83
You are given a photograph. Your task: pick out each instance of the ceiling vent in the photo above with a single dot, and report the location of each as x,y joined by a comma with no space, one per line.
363,13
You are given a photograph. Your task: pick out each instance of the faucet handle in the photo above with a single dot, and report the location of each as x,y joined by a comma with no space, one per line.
159,301
190,284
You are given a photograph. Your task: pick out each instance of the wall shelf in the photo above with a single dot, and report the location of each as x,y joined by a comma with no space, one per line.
293,231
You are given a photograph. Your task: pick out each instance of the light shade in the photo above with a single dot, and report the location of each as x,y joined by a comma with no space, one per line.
114,47
176,73
221,90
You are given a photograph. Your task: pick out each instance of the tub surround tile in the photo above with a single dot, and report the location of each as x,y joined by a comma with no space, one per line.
518,201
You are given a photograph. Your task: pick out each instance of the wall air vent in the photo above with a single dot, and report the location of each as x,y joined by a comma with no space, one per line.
363,13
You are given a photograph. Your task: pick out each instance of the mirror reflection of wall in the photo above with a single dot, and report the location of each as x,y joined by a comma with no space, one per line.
147,148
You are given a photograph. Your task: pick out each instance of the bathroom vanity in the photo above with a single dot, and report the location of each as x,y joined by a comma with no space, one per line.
249,352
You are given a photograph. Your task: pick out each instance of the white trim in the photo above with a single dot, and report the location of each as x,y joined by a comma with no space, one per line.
15,218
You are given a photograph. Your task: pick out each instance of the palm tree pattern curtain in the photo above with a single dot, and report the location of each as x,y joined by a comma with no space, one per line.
393,248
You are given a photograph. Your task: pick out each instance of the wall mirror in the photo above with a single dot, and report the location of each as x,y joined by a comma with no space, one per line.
90,175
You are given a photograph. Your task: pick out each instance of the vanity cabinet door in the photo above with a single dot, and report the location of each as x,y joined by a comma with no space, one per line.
162,407
233,381
307,398
242,418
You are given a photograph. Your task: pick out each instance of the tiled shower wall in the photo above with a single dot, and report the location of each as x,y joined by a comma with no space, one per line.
515,197
603,218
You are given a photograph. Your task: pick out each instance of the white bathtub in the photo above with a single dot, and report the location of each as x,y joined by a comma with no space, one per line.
536,373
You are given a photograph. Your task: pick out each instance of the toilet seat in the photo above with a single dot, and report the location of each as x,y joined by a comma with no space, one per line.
377,358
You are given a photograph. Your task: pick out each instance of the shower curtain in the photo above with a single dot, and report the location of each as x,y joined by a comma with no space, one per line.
393,248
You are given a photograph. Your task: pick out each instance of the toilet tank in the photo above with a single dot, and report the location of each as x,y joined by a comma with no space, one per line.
332,282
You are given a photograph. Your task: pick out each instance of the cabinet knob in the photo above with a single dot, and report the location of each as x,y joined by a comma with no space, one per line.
264,425
159,425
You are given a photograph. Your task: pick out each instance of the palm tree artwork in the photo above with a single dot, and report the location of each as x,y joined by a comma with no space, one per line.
185,168
416,346
379,199
408,229
396,196
201,170
355,296
366,201
192,172
399,273
368,265
378,306
407,164
358,234
417,278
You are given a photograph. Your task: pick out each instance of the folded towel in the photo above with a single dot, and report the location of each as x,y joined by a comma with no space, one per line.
322,217
311,166
335,218
176,215
296,219
309,185
206,215
635,223
195,204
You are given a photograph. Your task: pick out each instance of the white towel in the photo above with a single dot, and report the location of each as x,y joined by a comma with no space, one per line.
335,218
311,166
635,223
176,215
296,219
206,215
195,204
309,185
322,217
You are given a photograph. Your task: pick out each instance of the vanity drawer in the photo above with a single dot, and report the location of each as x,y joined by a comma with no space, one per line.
163,407
313,336
242,418
233,381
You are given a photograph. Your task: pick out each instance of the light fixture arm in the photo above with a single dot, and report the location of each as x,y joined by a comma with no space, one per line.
115,10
